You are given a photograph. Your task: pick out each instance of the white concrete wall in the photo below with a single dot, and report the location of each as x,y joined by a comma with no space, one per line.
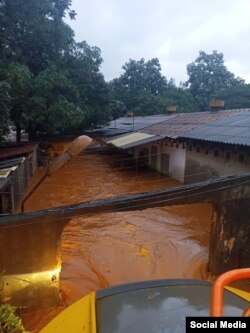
205,165
177,159
200,163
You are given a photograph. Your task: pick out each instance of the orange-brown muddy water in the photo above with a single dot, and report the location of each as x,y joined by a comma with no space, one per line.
108,249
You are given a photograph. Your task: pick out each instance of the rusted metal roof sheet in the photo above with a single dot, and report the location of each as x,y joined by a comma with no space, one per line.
6,167
130,124
185,122
8,152
230,130
132,140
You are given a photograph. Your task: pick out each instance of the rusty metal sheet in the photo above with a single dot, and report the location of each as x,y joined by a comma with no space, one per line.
183,123
231,130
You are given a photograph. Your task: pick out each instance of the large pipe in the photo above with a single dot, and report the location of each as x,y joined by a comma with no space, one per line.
73,149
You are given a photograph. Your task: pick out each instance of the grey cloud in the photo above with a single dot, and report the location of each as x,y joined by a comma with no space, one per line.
173,31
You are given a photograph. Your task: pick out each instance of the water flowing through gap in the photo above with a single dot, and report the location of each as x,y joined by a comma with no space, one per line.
107,249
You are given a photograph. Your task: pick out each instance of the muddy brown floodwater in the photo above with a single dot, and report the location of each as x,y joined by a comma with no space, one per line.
108,249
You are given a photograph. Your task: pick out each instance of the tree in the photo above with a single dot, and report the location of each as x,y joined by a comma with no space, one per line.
19,78
235,97
146,104
33,32
55,83
179,97
141,79
208,74
83,66
145,91
4,108
117,109
51,107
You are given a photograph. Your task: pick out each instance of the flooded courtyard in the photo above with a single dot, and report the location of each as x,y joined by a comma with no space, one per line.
107,249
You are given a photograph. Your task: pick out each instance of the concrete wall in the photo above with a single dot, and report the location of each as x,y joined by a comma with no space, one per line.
33,162
230,231
177,158
193,163
30,262
20,183
204,163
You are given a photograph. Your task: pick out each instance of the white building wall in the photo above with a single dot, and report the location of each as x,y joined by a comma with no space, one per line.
197,163
177,159
208,163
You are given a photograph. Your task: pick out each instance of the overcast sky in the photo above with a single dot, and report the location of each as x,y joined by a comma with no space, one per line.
174,31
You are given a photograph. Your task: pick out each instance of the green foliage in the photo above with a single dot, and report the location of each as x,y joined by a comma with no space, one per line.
33,32
235,97
5,100
82,64
144,91
52,108
182,99
55,83
146,103
141,77
139,87
51,84
19,78
9,322
117,109
208,74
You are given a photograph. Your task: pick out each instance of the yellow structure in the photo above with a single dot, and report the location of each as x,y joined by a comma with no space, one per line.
79,317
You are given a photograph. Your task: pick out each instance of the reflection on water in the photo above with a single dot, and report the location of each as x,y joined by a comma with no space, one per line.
108,249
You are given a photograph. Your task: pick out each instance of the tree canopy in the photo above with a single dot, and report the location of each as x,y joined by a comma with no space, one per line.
49,83
139,77
208,74
4,108
235,97
33,32
143,90
55,83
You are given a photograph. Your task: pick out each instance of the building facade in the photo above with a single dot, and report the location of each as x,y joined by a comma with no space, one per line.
195,147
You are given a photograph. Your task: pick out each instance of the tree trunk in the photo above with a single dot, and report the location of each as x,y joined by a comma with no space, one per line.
18,133
32,134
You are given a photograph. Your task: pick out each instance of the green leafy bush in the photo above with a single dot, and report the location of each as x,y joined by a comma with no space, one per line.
9,322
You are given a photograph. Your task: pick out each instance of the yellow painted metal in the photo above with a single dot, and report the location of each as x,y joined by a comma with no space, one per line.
78,317
129,138
239,292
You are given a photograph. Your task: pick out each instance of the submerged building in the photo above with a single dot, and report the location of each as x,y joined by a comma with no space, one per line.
17,165
192,147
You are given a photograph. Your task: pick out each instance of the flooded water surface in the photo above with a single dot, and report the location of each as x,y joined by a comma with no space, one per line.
108,249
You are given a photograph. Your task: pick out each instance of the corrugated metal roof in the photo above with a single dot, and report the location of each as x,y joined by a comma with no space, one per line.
132,140
8,152
6,167
185,122
130,124
11,163
4,173
230,130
